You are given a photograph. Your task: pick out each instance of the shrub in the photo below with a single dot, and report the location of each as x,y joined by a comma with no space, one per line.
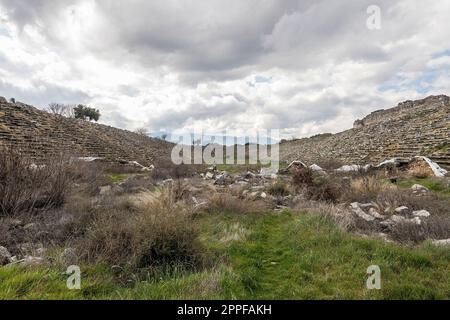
435,227
156,232
84,113
366,189
327,191
278,189
303,177
168,170
319,189
25,186
225,202
420,172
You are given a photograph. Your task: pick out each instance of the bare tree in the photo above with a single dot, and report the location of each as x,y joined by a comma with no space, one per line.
60,109
141,131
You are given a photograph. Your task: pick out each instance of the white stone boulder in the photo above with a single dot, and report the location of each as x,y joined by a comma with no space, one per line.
444,242
360,213
421,213
401,209
419,187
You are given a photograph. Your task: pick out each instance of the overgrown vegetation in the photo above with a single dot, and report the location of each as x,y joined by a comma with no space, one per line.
315,188
170,234
27,187
287,256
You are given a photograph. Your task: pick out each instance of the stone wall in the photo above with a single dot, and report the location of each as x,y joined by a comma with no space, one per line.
40,134
412,128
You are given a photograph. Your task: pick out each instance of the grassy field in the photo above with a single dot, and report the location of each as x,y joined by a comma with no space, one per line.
262,256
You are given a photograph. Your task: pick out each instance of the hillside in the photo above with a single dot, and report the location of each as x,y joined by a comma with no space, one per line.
38,133
412,128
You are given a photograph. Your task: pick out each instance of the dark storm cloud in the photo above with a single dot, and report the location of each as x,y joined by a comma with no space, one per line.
43,95
221,44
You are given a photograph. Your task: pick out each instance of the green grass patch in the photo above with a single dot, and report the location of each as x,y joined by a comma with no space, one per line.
264,256
118,177
432,184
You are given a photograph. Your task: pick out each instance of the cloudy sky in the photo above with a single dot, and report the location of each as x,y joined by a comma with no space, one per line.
303,66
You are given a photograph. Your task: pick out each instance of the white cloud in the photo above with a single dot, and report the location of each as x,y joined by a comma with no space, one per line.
305,67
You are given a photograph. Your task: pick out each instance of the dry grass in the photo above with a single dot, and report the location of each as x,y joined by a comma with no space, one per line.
366,189
154,231
279,189
337,213
226,202
326,189
435,227
26,187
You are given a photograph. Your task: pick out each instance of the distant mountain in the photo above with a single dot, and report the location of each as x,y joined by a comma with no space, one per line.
208,139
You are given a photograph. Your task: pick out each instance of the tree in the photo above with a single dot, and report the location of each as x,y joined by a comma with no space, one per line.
84,112
141,131
164,136
60,109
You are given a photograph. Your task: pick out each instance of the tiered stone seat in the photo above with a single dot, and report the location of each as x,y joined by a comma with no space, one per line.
40,134
412,128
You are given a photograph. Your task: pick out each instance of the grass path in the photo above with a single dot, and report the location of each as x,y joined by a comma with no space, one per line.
265,256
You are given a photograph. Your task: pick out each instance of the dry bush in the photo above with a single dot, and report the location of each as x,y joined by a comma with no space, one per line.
303,177
168,170
420,172
434,227
136,184
326,189
366,189
225,202
157,232
278,189
338,213
394,198
25,187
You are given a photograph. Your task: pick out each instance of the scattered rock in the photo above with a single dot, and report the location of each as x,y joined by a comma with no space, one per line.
444,242
249,175
421,213
224,179
419,187
254,194
397,219
209,176
165,182
5,256
263,195
374,213
268,172
401,209
415,220
15,223
257,188
315,167
30,261
360,213
105,190
296,165
29,226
